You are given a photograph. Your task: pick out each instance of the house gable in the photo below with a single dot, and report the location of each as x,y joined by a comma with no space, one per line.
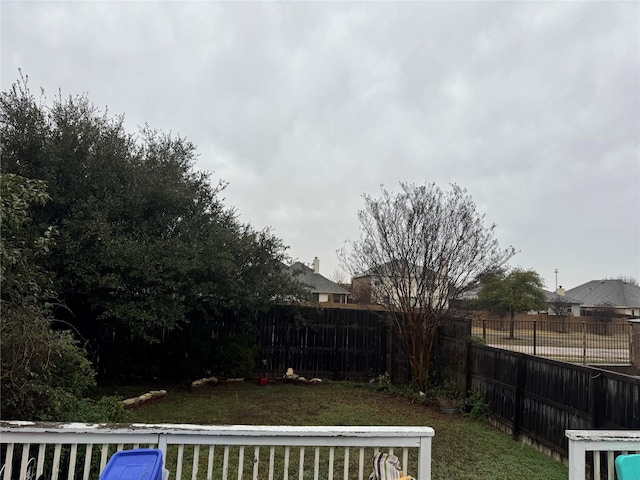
323,289
623,296
618,293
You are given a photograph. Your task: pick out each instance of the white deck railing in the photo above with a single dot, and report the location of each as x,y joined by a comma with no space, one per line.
605,445
58,450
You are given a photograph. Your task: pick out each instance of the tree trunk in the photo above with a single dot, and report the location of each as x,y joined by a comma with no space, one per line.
511,325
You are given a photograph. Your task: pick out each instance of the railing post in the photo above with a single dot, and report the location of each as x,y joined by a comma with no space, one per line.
162,444
424,459
577,460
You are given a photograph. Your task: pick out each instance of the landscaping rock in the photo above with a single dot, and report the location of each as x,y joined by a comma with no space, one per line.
144,399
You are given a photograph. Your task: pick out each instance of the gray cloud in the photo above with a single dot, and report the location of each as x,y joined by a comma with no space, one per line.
533,107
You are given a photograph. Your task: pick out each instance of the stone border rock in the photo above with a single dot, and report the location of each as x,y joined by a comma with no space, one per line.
144,399
196,384
300,380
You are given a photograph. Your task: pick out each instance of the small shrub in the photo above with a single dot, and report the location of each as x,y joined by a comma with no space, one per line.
475,340
382,383
55,377
445,394
474,406
236,357
106,410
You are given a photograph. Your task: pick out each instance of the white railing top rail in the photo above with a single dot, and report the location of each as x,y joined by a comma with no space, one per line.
26,434
608,441
275,431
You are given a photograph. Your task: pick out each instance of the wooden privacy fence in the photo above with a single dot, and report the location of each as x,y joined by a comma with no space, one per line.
316,342
539,398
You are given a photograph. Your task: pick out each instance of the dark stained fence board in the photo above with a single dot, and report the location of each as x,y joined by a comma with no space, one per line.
620,401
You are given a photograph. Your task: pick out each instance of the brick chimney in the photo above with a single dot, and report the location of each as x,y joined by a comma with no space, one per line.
316,265
560,291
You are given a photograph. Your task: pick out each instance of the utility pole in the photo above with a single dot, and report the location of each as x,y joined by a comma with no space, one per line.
556,272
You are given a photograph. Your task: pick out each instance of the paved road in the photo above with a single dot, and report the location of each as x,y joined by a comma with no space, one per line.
608,355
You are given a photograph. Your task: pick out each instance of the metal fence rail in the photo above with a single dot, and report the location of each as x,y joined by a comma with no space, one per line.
570,341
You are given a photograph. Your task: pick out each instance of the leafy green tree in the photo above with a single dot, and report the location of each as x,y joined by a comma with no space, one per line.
518,291
44,373
144,241
421,249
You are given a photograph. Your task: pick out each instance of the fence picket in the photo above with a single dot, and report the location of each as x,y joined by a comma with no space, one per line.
240,462
87,461
72,461
179,462
55,469
196,462
301,464
210,463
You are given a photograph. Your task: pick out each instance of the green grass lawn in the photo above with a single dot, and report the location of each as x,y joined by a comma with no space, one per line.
463,449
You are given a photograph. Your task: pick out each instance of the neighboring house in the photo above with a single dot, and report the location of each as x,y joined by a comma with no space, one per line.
322,289
390,284
623,296
560,304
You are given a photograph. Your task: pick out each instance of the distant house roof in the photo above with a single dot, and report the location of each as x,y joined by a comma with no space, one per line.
554,297
316,282
472,294
392,268
616,292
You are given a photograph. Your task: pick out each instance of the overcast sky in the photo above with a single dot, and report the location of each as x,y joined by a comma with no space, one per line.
533,107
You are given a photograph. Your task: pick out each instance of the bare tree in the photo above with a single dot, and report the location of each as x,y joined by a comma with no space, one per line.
561,307
340,277
420,249
604,313
361,290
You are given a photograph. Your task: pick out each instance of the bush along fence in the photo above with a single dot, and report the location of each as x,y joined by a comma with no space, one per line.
536,399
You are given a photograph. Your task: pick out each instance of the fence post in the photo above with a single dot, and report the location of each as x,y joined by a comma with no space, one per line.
595,384
634,342
535,331
389,353
518,399
584,342
484,329
467,368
